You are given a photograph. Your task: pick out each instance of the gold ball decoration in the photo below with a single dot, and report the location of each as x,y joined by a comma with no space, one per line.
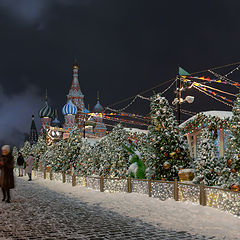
165,154
166,165
235,188
229,162
239,155
178,150
172,154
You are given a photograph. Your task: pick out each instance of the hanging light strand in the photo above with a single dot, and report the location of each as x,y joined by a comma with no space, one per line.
223,78
212,96
235,69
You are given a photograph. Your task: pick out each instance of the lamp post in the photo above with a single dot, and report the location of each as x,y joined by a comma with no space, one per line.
179,100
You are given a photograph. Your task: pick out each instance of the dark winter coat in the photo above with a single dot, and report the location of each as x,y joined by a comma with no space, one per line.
20,160
6,177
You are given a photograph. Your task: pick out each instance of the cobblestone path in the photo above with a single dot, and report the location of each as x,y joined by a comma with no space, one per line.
38,213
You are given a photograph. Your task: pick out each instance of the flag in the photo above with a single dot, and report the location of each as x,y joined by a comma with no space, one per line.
181,71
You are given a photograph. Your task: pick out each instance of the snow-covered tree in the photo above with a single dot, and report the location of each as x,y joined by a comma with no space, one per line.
231,173
208,165
168,147
15,153
113,157
71,150
85,165
26,150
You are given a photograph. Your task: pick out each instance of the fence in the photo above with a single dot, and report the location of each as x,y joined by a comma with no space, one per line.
222,199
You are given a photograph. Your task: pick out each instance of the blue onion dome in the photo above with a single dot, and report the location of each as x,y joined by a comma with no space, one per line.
86,111
69,108
98,108
46,111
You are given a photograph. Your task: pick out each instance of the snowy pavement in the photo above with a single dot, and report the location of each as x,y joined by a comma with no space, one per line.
45,209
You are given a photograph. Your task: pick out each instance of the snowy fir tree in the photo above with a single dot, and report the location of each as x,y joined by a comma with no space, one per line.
57,162
26,150
85,164
113,156
68,158
167,145
38,150
231,173
208,165
15,153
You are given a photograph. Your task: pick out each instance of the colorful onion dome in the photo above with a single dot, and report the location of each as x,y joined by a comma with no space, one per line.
69,108
86,111
98,108
46,111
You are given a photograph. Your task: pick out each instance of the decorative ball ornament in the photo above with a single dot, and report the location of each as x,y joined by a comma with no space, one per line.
235,187
161,148
178,150
172,154
233,170
166,165
165,154
229,162
239,155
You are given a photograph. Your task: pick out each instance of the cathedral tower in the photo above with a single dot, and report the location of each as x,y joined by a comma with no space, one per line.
76,96
46,114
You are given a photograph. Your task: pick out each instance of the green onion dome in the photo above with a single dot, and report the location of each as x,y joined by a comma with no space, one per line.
46,111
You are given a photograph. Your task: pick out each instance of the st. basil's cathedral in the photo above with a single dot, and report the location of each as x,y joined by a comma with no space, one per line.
75,114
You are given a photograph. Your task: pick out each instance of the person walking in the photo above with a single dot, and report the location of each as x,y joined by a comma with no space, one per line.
29,166
20,162
6,177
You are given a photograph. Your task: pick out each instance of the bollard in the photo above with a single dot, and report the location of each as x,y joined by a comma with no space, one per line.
44,174
63,177
51,175
129,184
149,188
73,180
102,184
175,193
202,197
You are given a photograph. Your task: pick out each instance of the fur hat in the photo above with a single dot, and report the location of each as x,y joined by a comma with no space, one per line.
6,148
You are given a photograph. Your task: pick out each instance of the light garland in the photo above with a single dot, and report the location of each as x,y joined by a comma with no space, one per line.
228,81
235,69
169,87
212,96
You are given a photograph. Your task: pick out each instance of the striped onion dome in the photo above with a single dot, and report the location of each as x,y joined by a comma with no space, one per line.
98,108
69,108
46,111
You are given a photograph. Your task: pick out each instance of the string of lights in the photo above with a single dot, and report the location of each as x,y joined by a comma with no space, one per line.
144,98
224,78
218,90
169,86
212,96
235,69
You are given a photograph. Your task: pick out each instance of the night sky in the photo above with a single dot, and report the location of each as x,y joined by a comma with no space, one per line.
123,47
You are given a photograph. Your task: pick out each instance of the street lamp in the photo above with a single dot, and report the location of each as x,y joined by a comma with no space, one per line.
179,100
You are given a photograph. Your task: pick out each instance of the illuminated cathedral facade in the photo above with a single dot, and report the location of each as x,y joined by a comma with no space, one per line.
75,114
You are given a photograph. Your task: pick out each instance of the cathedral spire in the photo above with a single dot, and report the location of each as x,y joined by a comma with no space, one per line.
33,137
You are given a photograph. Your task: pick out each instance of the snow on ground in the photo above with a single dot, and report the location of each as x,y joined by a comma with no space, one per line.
172,215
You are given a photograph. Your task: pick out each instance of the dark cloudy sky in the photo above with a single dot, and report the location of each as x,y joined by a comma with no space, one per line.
123,47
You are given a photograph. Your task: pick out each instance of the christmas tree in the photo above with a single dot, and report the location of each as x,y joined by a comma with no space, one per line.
231,173
85,165
113,156
57,161
208,165
38,150
167,145
26,150
71,150
15,153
